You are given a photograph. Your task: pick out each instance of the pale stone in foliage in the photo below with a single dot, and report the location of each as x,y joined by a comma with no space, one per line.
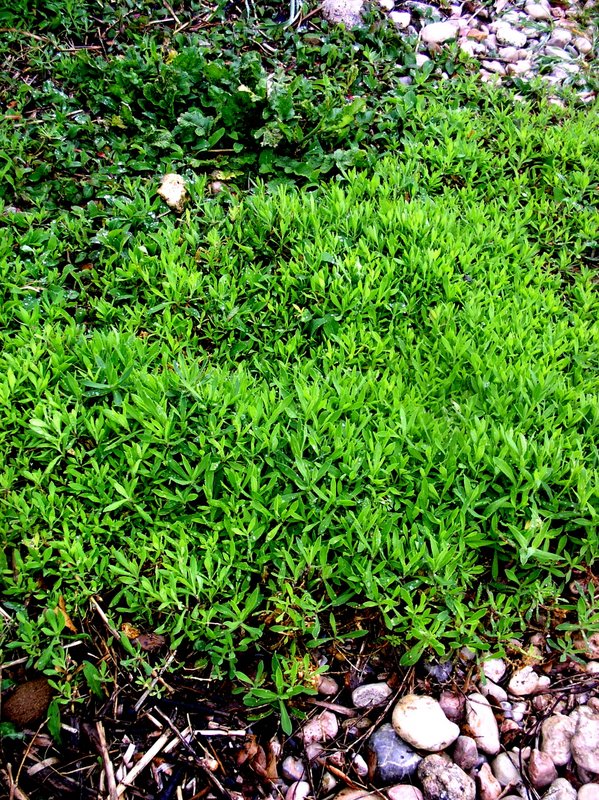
173,191
439,32
494,668
348,12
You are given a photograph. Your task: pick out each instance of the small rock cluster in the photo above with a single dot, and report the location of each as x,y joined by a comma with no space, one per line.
511,39
459,745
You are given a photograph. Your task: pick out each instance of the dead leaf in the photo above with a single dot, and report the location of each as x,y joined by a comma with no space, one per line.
129,630
151,641
63,610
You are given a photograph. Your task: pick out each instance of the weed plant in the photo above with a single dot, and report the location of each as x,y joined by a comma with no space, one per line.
299,397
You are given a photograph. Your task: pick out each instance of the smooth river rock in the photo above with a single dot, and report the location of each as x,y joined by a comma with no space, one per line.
420,722
390,759
482,723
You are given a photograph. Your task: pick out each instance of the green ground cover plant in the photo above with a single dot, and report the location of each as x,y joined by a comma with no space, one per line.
363,376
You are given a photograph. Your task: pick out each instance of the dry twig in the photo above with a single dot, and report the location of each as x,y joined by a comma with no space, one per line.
108,768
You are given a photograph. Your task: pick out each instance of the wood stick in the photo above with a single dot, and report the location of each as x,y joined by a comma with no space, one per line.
155,679
142,764
112,630
14,792
108,768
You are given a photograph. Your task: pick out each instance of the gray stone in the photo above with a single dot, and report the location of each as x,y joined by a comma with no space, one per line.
585,741
444,781
371,694
538,11
508,35
505,771
494,66
465,752
360,766
494,690
556,737
508,54
560,37
323,727
584,46
590,791
452,706
520,68
561,789
327,685
558,52
401,19
390,758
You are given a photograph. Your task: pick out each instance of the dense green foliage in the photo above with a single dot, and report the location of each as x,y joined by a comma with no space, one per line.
379,391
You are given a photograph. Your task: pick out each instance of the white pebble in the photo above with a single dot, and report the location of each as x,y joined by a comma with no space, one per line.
298,791
525,680
439,32
561,37
401,19
537,11
518,711
584,46
482,723
508,35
